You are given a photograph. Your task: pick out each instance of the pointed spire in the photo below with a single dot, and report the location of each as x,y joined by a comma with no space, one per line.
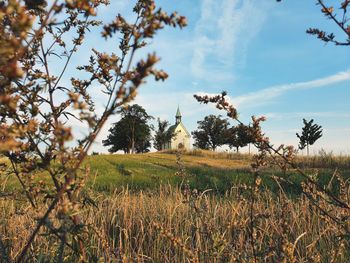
178,115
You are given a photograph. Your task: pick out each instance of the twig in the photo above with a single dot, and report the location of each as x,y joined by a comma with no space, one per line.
22,183
330,14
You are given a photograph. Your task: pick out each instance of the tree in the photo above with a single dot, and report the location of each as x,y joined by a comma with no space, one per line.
211,133
40,94
309,135
163,135
239,136
132,133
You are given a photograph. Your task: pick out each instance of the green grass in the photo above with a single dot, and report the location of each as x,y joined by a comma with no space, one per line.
148,171
205,170
216,172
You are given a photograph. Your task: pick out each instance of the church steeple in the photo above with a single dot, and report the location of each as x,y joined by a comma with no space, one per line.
178,115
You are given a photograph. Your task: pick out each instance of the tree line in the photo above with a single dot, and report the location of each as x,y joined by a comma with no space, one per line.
133,133
215,131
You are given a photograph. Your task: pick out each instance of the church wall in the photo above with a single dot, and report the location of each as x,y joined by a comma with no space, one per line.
180,137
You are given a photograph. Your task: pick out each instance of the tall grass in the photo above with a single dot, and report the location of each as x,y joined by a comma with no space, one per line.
180,225
324,160
175,222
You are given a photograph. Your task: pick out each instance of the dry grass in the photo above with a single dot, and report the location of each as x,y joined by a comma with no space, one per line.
170,225
325,160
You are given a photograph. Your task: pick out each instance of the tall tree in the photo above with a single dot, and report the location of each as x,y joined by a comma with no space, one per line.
163,135
239,136
132,133
309,135
211,133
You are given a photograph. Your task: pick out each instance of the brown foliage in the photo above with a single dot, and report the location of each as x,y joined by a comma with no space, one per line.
36,105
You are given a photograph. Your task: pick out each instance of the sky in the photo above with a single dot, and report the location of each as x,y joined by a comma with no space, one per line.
257,51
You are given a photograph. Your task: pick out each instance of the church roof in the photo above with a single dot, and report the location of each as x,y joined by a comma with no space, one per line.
173,128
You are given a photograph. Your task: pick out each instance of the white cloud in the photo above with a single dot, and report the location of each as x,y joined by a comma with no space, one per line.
222,35
299,115
264,96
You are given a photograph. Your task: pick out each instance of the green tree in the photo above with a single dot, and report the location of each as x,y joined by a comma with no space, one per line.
163,134
309,135
131,133
239,136
211,133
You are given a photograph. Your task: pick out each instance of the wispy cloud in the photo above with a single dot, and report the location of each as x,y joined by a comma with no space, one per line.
222,35
266,95
299,115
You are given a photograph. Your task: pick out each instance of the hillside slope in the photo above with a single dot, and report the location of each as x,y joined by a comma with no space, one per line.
143,171
202,170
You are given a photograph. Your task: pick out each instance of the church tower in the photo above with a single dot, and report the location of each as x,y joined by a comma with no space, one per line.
178,116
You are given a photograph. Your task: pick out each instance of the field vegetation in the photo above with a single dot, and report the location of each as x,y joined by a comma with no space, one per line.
58,204
190,207
217,171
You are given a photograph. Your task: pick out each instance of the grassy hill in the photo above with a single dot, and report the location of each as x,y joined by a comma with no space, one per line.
202,170
147,171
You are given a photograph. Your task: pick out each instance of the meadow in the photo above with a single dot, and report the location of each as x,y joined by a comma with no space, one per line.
194,207
218,171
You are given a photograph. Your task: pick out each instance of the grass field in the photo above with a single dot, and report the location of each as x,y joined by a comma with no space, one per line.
204,170
144,171
163,207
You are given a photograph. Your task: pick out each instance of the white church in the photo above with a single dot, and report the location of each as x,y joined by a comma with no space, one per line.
181,138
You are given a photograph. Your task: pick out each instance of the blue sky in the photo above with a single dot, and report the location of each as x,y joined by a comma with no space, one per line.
256,50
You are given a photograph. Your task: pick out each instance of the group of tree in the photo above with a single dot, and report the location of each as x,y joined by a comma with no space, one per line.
132,133
215,131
